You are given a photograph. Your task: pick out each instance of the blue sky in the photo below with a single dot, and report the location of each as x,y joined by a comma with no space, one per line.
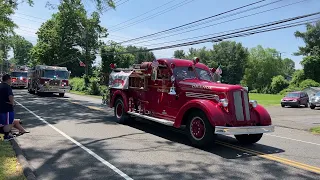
29,19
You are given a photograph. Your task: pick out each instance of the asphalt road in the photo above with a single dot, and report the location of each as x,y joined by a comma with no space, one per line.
76,138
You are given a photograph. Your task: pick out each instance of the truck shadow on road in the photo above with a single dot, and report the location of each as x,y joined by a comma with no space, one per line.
64,160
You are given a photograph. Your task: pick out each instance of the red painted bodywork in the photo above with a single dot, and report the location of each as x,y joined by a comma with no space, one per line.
155,98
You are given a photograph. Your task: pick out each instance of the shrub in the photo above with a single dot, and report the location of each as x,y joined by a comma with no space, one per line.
278,84
308,83
289,89
78,84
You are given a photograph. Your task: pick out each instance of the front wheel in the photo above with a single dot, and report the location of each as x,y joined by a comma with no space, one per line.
119,112
61,94
312,106
200,131
248,138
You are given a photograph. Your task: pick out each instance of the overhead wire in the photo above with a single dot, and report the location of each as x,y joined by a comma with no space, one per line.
177,27
143,13
155,15
200,28
228,34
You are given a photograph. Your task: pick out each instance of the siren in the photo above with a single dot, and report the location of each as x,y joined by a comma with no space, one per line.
196,60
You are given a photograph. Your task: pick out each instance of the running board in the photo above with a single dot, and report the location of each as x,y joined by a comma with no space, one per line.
158,120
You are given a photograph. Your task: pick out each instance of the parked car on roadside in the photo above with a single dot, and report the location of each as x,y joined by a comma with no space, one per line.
315,100
295,99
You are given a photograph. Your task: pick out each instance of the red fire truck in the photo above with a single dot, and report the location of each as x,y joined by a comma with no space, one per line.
19,78
184,94
48,79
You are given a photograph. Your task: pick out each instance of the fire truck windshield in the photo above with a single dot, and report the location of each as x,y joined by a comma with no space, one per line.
182,73
19,74
55,74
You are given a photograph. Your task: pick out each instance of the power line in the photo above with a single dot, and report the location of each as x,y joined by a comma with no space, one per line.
221,37
155,15
143,13
193,22
207,35
272,9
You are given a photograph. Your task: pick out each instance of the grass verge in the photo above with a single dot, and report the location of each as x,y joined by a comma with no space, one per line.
10,169
315,130
266,99
84,94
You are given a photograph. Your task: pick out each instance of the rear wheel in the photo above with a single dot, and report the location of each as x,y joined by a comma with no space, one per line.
248,138
119,112
200,131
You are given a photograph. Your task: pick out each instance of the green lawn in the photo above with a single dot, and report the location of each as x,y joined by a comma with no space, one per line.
266,99
263,99
84,94
9,166
315,130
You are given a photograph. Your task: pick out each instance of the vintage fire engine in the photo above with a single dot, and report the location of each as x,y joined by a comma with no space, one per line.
48,79
184,94
19,77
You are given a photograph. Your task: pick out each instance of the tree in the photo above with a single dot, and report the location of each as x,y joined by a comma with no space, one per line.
21,49
311,39
232,57
288,66
311,67
262,67
68,37
297,77
309,83
113,53
179,54
278,83
140,54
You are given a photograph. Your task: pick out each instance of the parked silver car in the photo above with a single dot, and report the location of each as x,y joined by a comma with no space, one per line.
315,100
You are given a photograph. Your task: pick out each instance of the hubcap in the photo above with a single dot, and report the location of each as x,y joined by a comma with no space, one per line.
119,110
197,128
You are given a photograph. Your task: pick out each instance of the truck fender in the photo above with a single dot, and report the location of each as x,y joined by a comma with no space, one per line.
120,93
213,112
263,115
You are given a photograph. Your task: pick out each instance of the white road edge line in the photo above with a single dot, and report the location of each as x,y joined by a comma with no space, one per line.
293,139
80,145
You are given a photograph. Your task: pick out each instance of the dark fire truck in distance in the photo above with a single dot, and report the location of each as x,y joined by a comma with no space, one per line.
48,79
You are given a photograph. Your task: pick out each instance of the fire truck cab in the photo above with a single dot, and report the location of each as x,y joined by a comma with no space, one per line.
184,94
19,78
48,79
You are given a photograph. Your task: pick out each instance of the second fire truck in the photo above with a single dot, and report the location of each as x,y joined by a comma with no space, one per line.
48,79
19,78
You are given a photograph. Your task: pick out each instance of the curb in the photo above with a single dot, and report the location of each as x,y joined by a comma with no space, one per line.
27,170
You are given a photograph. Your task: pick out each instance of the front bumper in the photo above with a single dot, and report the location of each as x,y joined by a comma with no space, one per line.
223,130
290,103
52,89
21,84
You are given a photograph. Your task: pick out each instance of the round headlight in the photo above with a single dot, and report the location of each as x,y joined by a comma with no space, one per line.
224,102
253,103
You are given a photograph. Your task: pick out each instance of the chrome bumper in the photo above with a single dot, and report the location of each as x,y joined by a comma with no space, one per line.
54,89
243,130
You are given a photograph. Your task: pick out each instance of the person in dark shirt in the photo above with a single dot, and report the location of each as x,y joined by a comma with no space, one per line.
6,106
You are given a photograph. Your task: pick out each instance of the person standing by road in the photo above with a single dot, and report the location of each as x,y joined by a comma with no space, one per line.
6,106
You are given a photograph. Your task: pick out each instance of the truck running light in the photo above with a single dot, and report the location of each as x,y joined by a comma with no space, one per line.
253,103
112,66
172,66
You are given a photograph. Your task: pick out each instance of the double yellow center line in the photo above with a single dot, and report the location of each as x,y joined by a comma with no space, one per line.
272,157
257,153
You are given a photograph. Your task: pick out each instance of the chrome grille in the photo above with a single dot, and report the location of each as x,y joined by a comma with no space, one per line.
54,82
242,113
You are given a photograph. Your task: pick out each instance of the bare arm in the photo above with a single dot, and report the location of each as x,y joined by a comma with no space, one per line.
11,100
